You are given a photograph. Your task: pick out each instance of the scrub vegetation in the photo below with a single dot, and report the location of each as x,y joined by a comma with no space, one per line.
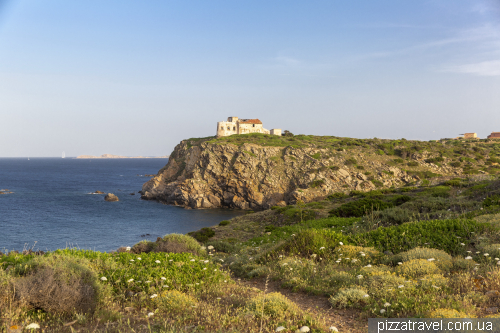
417,251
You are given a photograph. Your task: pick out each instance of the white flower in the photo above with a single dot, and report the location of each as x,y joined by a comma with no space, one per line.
362,254
280,328
221,260
210,247
338,261
153,296
128,248
401,286
462,244
130,280
478,252
32,326
366,295
498,262
139,258
469,251
322,248
468,257
341,243
431,259
215,270
497,259
314,255
206,261
359,276
333,329
368,265
132,260
150,314
485,254
192,260
203,248
171,260
165,286
163,278
204,268
157,261
436,287
387,304
354,260
382,310
293,234
104,278
147,282
400,263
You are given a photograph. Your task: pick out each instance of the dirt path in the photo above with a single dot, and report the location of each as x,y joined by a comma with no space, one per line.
345,320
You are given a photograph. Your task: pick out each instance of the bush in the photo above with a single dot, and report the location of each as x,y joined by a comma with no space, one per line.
377,183
222,246
381,280
440,234
337,195
416,268
412,164
223,223
462,264
453,182
316,183
350,298
448,313
442,259
491,201
178,243
341,279
202,235
431,280
58,284
359,208
399,199
351,161
274,305
309,241
456,164
173,300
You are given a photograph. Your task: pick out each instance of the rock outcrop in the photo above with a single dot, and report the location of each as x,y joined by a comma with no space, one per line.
249,176
111,197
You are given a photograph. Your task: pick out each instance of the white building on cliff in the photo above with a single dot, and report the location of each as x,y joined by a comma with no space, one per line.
233,125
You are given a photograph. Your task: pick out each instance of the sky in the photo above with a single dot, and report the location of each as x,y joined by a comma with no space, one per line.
137,77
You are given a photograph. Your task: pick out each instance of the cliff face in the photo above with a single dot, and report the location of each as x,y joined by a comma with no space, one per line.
250,176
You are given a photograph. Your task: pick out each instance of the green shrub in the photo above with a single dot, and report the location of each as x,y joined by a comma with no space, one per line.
493,200
442,259
377,183
316,183
415,268
379,152
335,168
309,241
187,243
350,298
222,246
202,235
341,279
275,305
399,199
359,207
351,161
432,280
337,195
440,191
360,167
316,156
173,300
434,160
453,182
224,222
456,164
412,164
398,160
440,234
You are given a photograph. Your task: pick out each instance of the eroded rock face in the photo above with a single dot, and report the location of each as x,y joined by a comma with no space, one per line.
254,177
111,197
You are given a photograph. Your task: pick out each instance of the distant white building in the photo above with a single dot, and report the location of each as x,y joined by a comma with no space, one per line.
233,125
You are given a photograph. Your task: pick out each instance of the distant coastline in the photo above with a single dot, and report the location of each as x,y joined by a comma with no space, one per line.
118,156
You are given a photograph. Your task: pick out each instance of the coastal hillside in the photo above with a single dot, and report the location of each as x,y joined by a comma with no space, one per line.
258,171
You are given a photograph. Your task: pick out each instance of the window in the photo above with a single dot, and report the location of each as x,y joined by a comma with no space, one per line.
222,127
234,128
228,128
253,125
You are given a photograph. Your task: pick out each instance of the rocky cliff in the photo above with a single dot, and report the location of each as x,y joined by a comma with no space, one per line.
212,173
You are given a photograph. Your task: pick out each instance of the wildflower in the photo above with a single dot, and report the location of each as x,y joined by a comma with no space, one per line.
285,264
132,260
293,234
468,257
215,270
281,256
478,252
203,248
313,255
206,261
210,247
165,286
469,251
386,304
139,258
130,280
401,286
322,248
153,296
192,260
338,261
436,287
218,298
462,244
359,276
497,259
104,278
382,310
33,326
333,329
128,248
485,254
163,278
366,295
157,261
498,262
171,260
221,260
354,260
400,263
368,265
150,314
431,259
147,282
204,268
362,254
280,328
341,243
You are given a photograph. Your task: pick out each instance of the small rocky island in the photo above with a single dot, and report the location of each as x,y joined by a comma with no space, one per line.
116,156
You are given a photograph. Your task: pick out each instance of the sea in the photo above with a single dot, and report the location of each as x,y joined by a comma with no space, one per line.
52,205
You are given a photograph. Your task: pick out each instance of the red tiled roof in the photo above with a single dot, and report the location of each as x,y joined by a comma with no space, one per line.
250,121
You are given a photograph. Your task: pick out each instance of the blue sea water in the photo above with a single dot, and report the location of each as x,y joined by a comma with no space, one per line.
52,205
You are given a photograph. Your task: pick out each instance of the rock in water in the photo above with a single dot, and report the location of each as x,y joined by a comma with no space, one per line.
111,197
99,192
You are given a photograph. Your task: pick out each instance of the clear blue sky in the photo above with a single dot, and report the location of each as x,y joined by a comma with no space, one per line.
136,77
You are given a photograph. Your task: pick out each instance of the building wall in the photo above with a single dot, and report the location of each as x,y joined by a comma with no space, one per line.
235,126
470,135
494,135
